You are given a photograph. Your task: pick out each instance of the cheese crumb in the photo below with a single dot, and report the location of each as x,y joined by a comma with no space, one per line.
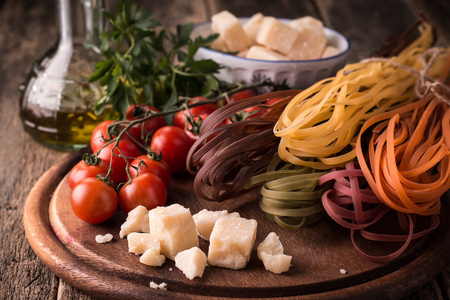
263,53
330,51
230,29
231,242
152,258
276,35
311,39
251,27
162,286
137,221
205,220
219,45
343,271
270,252
191,262
138,243
175,229
101,239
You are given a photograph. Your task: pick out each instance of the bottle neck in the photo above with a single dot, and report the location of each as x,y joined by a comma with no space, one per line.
94,23
81,21
64,22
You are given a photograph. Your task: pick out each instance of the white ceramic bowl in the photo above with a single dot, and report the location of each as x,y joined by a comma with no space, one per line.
298,74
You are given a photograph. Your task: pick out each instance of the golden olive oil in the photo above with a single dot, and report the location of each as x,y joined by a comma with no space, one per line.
57,103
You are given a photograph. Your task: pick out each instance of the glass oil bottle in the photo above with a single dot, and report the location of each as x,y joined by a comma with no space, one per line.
57,100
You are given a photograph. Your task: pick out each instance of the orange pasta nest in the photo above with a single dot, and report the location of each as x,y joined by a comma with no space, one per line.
407,158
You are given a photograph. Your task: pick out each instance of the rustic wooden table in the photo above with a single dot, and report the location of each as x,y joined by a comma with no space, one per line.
29,27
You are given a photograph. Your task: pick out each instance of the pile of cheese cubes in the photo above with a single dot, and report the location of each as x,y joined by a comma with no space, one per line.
172,232
267,38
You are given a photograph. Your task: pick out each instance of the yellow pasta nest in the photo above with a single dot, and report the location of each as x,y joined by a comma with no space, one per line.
319,127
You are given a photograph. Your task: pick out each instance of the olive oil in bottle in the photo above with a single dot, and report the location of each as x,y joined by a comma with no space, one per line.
57,101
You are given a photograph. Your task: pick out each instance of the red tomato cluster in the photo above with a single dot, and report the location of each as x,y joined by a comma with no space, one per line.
95,199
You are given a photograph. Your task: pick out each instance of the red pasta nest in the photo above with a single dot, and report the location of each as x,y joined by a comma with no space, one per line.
352,204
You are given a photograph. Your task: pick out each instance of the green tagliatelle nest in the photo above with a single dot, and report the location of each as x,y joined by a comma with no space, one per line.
290,194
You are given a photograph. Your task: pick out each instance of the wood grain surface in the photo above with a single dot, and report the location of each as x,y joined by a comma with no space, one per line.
67,246
28,28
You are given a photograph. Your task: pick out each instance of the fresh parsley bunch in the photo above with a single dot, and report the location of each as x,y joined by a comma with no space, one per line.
145,63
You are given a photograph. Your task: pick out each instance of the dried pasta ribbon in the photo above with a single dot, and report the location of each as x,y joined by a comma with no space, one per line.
290,194
407,163
319,127
226,156
425,83
352,204
407,160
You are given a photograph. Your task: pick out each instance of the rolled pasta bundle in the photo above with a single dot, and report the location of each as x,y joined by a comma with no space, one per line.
226,156
352,204
319,127
290,194
405,154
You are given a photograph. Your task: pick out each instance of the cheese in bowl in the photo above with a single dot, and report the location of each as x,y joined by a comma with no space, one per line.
299,51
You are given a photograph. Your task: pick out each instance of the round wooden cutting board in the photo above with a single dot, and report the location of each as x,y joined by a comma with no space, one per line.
320,251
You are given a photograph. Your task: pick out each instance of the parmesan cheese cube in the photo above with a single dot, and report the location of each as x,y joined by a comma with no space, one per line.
243,53
271,244
260,52
251,27
231,242
138,243
151,258
330,51
275,263
174,227
231,31
219,45
205,220
137,221
191,262
270,252
276,35
311,39
306,22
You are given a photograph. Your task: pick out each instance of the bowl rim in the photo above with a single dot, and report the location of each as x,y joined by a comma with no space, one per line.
241,19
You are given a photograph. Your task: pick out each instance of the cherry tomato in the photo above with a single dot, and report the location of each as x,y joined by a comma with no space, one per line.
145,164
193,133
146,189
248,113
252,112
242,95
93,200
174,145
193,137
202,110
101,134
82,170
273,100
142,132
118,171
